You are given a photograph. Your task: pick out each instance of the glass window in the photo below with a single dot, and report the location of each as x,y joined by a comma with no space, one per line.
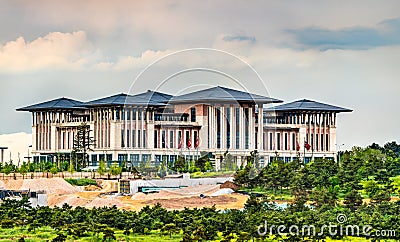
171,139
155,139
193,114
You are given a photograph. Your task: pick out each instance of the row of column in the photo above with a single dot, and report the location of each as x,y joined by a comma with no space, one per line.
245,127
303,118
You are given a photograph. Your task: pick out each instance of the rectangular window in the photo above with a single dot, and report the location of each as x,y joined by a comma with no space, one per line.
127,138
144,139
322,142
316,142
128,114
133,138
94,158
155,139
123,114
327,142
146,158
163,141
271,142
139,136
193,114
134,158
102,157
158,160
117,114
180,138
294,141
139,114
286,141
171,139
312,141
122,157
109,157
122,138
278,141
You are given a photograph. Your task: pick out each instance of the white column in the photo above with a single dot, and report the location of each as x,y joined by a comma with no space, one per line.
233,128
260,144
222,127
136,127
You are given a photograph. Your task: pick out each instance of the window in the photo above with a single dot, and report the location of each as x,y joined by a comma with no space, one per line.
193,114
294,141
122,157
158,160
155,139
327,142
286,141
109,157
163,139
128,114
139,136
127,138
322,142
278,141
316,142
134,158
144,139
122,138
271,142
101,157
171,139
133,138
146,158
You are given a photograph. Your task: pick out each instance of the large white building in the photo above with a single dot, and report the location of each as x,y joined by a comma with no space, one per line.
154,126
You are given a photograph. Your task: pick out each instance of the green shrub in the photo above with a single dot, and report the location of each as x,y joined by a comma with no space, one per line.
81,181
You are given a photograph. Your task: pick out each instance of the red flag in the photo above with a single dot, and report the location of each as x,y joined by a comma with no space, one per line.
297,146
307,145
196,144
180,143
189,143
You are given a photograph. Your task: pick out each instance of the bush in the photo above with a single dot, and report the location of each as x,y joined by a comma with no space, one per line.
81,182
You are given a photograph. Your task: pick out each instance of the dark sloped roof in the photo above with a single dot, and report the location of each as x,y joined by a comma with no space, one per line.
308,105
222,94
59,103
146,98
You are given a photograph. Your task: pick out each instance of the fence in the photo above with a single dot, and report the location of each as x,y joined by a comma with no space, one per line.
76,175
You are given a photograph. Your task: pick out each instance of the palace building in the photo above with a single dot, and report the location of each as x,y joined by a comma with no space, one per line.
155,127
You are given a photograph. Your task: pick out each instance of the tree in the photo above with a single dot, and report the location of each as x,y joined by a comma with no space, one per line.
115,169
23,170
180,164
169,229
102,168
83,143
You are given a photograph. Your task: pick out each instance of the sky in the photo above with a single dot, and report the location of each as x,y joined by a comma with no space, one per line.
344,53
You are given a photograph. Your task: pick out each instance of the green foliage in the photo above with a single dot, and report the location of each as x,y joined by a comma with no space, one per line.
115,169
81,181
102,168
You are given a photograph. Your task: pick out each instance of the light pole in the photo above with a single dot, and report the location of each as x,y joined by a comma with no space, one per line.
29,156
338,151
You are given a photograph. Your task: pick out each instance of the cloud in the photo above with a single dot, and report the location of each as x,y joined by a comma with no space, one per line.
386,33
55,50
230,38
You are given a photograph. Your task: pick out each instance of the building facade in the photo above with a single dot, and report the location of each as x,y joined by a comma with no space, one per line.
155,127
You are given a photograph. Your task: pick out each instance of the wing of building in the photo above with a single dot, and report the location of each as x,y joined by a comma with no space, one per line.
155,127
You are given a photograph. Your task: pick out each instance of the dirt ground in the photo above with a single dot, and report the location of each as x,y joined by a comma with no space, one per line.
60,192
